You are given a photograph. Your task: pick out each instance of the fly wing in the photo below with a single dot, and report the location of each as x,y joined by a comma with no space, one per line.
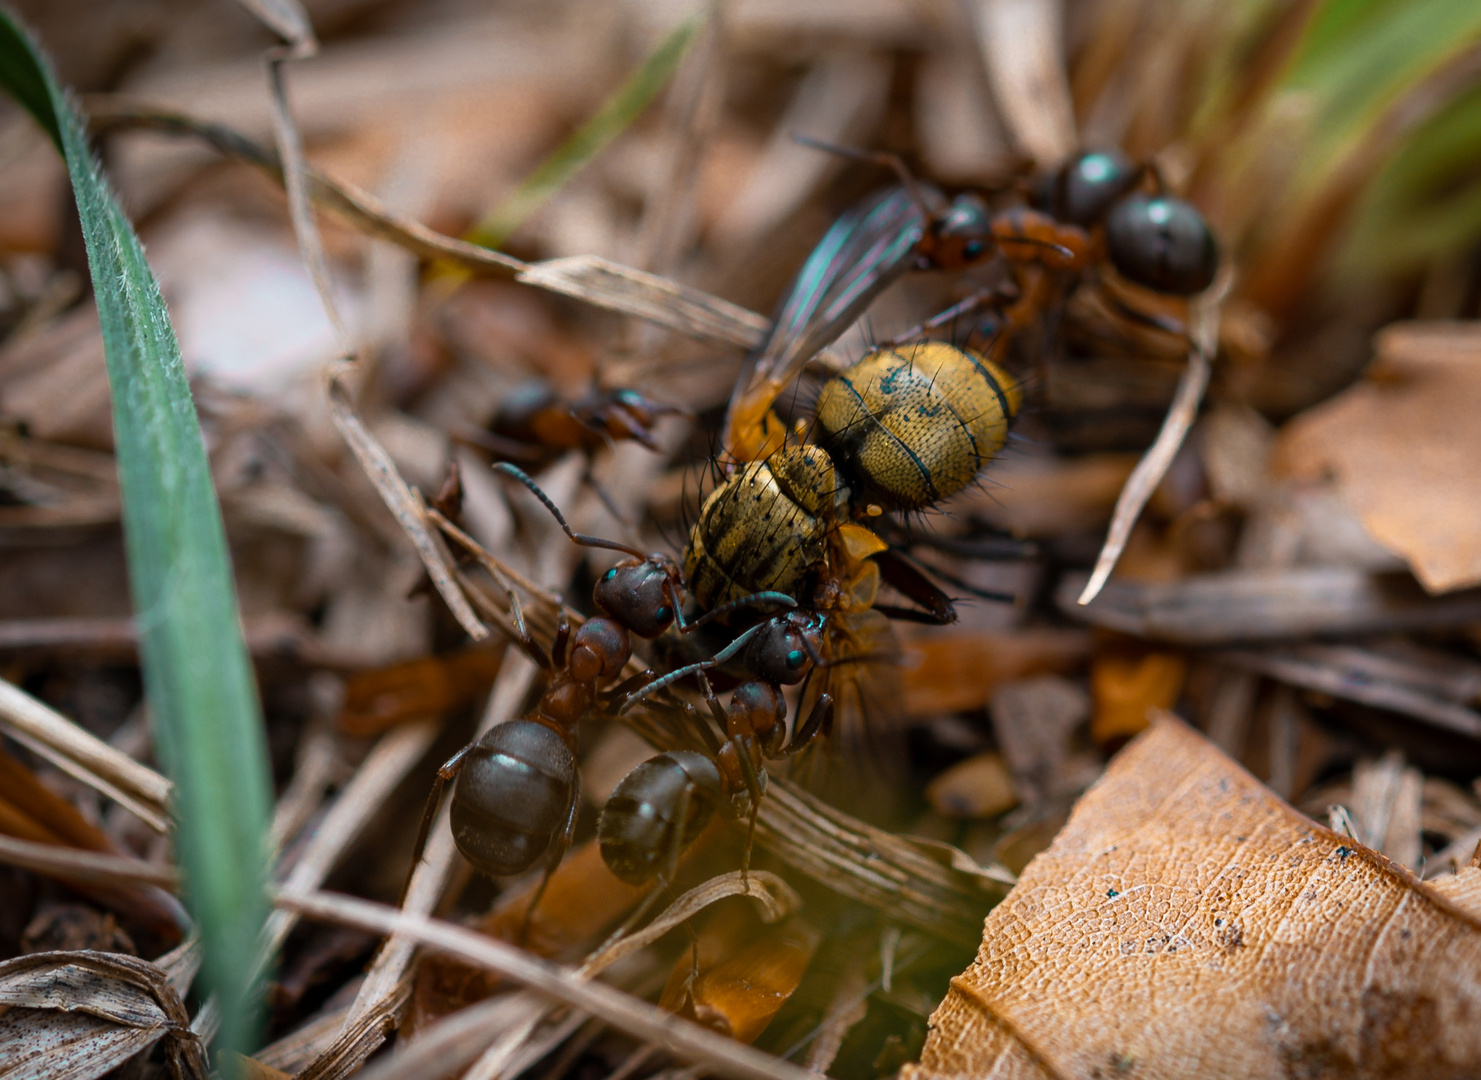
860,766
863,252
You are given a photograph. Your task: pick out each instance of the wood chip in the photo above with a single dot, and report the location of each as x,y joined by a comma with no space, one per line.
1269,605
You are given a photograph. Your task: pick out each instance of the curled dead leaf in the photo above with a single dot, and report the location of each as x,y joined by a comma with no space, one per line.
76,1015
1186,922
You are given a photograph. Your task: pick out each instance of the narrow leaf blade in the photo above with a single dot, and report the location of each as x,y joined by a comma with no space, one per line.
197,676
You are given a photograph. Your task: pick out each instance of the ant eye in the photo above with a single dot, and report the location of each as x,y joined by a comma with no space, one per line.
795,658
610,574
973,249
664,613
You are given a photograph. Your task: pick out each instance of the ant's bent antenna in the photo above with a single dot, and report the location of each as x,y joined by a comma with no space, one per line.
579,538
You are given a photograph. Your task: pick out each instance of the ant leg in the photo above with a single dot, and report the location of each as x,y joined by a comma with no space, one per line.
717,712
890,161
680,673
557,855
819,718
562,639
1143,318
697,723
980,299
754,790
605,496
631,683
448,771
575,537
523,638
632,920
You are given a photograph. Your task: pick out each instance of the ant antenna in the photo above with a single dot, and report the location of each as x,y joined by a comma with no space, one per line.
1034,241
745,601
679,673
579,538
876,157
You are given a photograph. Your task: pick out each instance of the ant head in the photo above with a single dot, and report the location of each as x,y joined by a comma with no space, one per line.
1162,243
962,235
786,648
1084,188
641,594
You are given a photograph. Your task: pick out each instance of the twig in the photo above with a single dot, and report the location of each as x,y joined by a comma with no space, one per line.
82,755
377,777
599,282
1159,456
89,867
680,1037
1023,47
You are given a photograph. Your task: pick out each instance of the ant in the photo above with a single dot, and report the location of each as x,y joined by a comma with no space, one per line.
1088,213
517,787
661,806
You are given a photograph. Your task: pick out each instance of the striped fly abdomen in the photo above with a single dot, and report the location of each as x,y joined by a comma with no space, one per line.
765,529
907,428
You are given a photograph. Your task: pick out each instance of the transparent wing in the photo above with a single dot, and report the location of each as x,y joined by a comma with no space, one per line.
864,250
860,767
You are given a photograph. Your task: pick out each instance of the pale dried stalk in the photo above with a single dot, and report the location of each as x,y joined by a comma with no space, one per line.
776,898
455,1040
1022,45
84,756
400,500
377,777
598,282
450,1045
90,867
381,470
296,1049
871,866
682,1038
360,1036
621,288
318,753
1203,335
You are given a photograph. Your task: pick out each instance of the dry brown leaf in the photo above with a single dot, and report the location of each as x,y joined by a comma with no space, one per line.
954,669
1406,449
1125,684
76,1015
977,787
1188,923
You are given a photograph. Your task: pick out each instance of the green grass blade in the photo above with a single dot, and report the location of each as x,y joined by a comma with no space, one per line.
611,120
197,676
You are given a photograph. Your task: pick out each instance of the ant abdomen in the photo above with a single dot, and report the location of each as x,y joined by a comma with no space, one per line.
1162,243
514,796
655,812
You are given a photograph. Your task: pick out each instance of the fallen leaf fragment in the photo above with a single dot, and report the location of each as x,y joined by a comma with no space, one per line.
977,787
1125,684
77,1015
1186,922
1406,449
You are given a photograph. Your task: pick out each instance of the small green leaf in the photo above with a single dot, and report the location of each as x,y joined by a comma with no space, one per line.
197,676
610,121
